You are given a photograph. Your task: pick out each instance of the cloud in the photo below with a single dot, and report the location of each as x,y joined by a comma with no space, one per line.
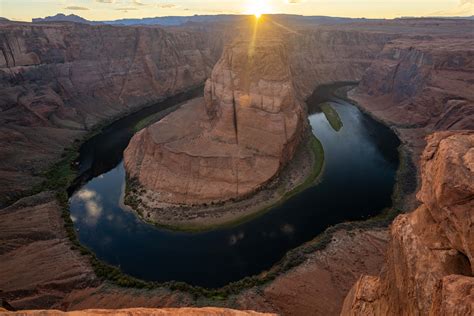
86,194
235,238
167,5
76,8
93,208
294,1
92,205
464,8
127,2
287,229
126,9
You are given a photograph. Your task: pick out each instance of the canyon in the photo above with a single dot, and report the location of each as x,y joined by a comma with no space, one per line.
60,81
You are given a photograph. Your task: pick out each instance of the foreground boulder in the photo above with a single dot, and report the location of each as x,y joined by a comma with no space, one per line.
429,262
229,144
206,311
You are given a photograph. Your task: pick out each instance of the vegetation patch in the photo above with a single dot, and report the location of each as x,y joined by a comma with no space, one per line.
317,151
332,116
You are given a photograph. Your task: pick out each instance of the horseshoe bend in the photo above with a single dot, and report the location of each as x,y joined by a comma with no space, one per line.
230,143
236,164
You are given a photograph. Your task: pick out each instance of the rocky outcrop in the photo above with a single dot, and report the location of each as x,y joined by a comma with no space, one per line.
230,143
448,187
59,80
420,85
429,261
205,311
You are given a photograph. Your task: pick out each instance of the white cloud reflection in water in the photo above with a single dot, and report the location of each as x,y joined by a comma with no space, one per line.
234,238
92,205
287,229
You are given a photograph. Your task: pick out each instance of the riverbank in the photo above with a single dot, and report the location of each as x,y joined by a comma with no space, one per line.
300,173
408,177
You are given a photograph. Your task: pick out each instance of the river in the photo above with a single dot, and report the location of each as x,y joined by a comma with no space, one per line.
361,160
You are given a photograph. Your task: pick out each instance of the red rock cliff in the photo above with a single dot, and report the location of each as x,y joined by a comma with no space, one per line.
429,263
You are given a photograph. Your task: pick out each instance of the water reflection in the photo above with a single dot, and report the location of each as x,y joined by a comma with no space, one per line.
234,238
287,229
92,204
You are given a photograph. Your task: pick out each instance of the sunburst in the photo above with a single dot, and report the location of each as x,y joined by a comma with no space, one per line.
257,8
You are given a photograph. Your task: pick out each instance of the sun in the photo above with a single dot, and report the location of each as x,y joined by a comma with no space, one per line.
258,7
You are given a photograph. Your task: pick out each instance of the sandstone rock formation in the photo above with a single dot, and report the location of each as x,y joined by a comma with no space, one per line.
420,85
429,261
229,144
327,55
205,311
59,80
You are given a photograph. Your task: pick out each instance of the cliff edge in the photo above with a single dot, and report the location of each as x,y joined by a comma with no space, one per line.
429,262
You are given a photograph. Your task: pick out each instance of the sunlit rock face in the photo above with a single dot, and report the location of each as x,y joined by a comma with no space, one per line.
230,143
250,98
428,269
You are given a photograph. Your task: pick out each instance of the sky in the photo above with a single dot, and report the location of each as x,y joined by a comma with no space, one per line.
25,10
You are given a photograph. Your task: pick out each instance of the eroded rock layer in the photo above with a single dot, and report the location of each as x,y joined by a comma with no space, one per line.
205,311
230,143
421,85
430,257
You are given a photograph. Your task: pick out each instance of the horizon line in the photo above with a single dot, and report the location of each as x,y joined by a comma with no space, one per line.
244,14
